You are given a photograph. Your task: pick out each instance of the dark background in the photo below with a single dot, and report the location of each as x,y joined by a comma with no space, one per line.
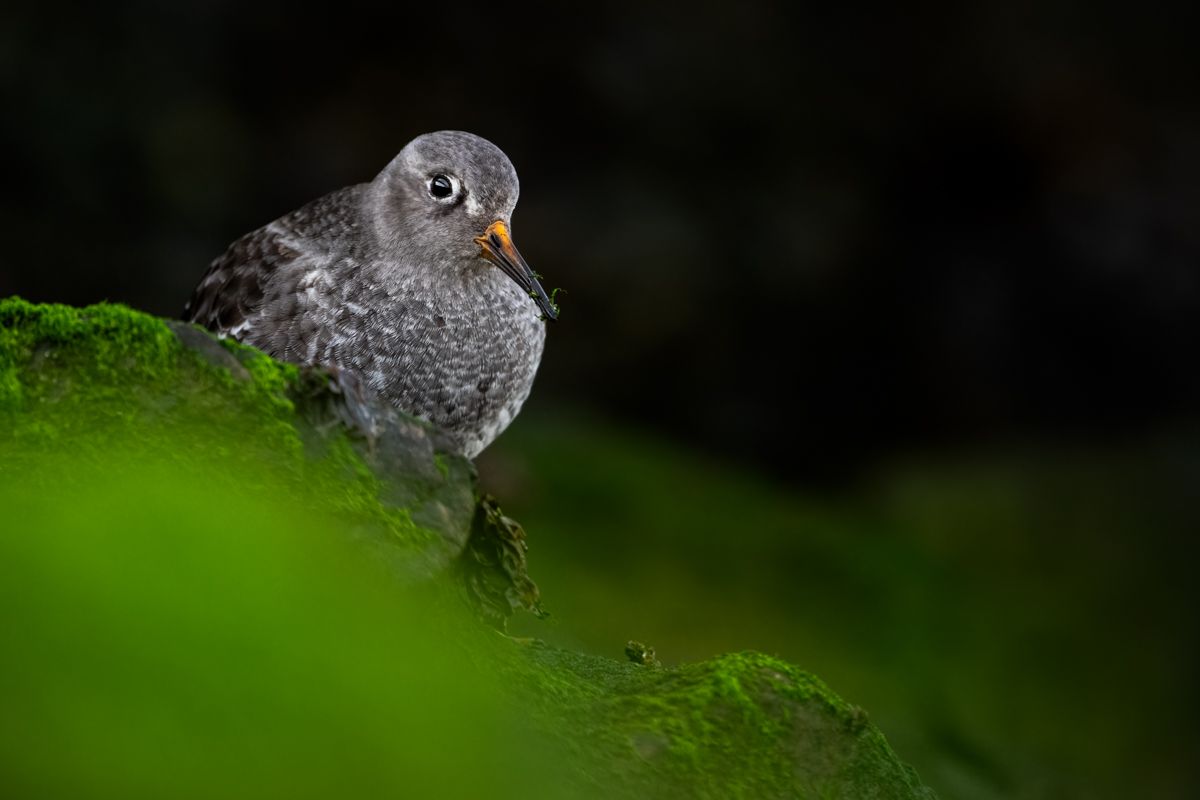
806,237
806,244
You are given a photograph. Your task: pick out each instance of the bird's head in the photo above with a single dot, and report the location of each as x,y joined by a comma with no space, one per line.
450,195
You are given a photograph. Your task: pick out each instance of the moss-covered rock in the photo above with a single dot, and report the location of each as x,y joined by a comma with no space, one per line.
174,608
105,382
742,725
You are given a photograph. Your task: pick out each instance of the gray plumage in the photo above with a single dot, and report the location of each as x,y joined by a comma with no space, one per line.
399,286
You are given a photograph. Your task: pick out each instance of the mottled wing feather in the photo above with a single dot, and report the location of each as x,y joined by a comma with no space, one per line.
268,262
231,290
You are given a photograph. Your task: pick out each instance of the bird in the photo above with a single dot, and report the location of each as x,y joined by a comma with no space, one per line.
410,284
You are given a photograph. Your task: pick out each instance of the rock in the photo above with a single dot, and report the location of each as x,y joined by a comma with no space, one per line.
106,378
494,570
740,725
169,486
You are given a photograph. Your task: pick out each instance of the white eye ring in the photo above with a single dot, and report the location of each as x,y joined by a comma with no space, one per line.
443,188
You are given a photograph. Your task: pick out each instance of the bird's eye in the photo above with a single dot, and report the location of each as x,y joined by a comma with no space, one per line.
441,187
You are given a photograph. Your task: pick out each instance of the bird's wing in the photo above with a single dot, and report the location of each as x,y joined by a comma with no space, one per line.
267,262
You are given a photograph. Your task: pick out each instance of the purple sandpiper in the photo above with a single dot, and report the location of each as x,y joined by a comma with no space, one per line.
410,283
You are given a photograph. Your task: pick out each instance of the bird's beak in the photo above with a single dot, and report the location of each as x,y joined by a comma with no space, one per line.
499,249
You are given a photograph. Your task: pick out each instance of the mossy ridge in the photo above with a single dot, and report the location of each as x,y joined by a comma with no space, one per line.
113,381
743,725
105,330
107,384
96,376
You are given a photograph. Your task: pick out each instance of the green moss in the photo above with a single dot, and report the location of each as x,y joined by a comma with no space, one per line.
205,460
121,342
106,383
359,493
439,461
744,725
166,636
87,378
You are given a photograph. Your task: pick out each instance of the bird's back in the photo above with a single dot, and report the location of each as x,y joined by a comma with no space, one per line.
307,289
260,274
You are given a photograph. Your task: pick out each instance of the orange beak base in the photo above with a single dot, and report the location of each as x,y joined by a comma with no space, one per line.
498,248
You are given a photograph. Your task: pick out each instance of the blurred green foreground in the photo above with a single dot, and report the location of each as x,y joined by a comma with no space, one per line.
185,642
209,588
179,621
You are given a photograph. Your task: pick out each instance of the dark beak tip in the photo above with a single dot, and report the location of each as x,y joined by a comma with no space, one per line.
549,309
498,248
